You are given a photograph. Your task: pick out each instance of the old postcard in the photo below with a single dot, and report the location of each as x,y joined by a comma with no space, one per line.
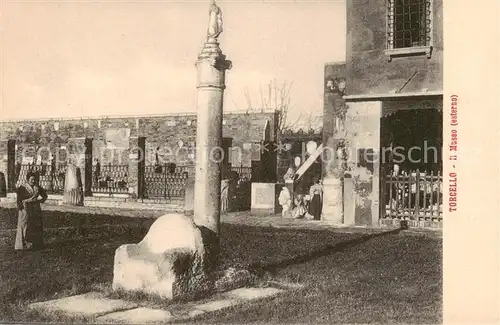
219,161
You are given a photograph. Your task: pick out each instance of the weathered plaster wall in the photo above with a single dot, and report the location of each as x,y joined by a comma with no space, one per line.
363,123
368,69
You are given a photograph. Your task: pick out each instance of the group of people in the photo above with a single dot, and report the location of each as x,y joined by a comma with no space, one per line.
307,206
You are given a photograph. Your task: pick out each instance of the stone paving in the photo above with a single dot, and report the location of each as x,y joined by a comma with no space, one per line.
99,309
90,304
276,221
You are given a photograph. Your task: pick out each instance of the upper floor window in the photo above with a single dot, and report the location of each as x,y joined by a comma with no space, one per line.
409,27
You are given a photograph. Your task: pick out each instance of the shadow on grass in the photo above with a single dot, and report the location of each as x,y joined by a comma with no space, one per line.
261,269
81,237
69,243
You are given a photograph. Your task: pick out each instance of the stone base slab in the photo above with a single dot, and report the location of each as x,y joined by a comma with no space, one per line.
90,304
265,198
263,211
140,315
104,310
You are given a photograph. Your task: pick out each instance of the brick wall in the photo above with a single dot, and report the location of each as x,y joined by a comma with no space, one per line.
160,131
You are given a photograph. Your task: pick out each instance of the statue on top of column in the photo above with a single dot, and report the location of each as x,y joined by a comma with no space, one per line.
215,21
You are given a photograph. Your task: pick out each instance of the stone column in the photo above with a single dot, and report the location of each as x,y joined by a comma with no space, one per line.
136,164
179,253
211,66
332,178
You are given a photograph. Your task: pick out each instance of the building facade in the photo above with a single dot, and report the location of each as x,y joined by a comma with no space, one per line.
387,96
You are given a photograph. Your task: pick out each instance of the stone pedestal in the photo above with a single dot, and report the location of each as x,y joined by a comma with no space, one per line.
80,155
290,186
332,201
169,262
73,190
265,198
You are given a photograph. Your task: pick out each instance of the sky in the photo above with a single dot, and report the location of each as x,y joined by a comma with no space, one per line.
92,58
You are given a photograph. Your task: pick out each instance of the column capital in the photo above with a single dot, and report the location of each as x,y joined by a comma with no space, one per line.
212,52
220,63
217,61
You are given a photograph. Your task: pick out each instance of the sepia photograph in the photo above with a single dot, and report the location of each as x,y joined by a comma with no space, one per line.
221,161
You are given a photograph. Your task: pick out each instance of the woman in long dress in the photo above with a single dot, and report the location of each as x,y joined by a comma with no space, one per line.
29,221
316,203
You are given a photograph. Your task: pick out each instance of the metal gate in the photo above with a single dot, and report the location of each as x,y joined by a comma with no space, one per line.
110,179
166,181
241,199
50,177
416,196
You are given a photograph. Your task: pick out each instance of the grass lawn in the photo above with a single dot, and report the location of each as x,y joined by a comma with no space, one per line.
348,278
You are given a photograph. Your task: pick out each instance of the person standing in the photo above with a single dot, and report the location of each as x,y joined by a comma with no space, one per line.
97,172
29,233
316,197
